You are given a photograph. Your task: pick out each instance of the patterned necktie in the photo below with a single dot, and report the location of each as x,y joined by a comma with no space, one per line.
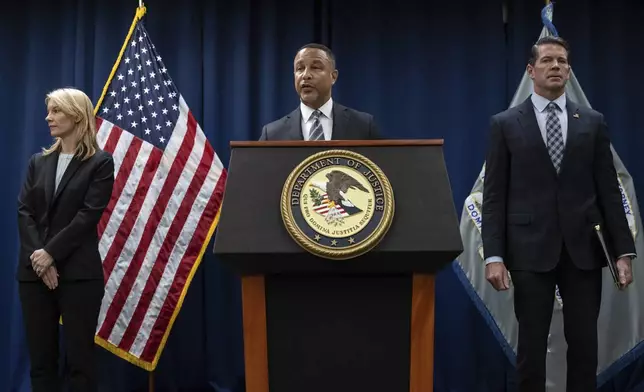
554,136
317,133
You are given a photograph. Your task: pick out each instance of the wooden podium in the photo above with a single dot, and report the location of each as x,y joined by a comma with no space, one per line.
363,324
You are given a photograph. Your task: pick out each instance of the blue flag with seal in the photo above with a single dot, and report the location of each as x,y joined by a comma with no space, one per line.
621,320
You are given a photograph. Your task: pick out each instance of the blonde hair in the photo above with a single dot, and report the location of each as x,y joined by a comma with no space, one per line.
77,105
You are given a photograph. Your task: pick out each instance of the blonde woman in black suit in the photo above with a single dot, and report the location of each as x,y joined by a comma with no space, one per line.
60,273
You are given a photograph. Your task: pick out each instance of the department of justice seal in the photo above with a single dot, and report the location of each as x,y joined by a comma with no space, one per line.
337,204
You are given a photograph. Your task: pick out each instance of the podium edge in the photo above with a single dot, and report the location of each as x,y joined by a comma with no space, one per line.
255,338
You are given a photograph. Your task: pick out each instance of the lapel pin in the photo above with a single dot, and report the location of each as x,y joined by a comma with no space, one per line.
576,115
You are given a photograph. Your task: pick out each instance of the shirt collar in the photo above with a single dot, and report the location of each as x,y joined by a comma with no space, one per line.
541,103
307,111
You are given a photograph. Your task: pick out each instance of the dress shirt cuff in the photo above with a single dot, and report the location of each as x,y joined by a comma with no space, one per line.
493,259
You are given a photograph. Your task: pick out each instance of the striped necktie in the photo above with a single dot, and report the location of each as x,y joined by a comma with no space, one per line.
317,133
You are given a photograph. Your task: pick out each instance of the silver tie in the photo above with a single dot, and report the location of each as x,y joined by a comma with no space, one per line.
554,136
317,133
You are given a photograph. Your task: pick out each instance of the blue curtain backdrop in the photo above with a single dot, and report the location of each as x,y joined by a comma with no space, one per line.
430,69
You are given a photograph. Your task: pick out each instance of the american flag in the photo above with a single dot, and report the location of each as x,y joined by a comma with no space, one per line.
168,188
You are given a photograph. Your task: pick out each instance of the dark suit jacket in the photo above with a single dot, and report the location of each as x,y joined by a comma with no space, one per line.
529,211
64,223
348,124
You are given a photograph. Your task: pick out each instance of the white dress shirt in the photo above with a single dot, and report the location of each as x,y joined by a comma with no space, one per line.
326,118
63,162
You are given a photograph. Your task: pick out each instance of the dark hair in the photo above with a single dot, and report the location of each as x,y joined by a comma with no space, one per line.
323,48
534,55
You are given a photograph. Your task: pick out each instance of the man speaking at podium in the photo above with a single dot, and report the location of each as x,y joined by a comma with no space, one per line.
549,178
318,117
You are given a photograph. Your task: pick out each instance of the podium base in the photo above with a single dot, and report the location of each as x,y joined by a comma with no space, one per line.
339,333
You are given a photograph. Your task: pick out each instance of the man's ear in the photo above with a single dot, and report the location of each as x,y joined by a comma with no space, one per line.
530,70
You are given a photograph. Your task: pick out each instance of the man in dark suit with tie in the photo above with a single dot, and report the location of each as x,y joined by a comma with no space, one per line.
318,117
549,178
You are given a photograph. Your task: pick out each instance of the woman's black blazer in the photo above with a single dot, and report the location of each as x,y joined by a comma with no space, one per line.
64,222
